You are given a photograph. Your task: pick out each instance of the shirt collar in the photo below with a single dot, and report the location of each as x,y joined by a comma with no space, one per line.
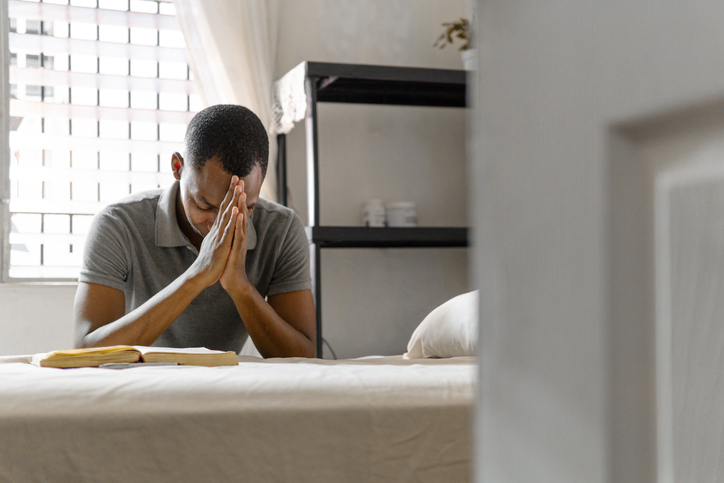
169,234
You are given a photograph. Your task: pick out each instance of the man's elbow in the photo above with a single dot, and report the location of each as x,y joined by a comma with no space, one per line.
81,334
82,342
310,348
84,335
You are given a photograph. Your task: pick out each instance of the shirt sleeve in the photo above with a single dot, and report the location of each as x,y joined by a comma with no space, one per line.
106,258
291,269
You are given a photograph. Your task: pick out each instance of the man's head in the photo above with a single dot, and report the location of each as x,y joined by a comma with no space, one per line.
221,141
233,135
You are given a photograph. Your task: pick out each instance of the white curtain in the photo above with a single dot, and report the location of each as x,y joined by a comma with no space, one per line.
231,47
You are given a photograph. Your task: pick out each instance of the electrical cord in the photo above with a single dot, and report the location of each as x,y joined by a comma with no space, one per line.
330,348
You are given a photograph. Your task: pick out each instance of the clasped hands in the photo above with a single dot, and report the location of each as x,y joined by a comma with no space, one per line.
222,255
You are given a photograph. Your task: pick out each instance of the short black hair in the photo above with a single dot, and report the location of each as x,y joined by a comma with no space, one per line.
233,134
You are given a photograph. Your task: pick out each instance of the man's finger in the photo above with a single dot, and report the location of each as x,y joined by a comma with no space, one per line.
242,202
234,192
236,244
229,193
243,209
226,237
226,202
225,212
245,222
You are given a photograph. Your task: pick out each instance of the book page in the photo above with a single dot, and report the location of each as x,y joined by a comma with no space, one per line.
90,351
88,357
176,350
194,356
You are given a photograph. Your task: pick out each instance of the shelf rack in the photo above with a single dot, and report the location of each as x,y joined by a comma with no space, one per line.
366,84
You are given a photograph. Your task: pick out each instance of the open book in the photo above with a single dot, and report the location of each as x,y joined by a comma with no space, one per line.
95,356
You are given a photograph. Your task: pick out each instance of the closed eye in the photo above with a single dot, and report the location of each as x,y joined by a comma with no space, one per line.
210,208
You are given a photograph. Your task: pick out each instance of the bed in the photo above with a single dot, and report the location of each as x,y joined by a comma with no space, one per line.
361,420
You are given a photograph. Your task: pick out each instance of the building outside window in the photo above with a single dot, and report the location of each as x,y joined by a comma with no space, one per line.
100,94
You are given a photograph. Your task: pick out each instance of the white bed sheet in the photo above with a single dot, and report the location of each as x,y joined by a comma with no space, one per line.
366,420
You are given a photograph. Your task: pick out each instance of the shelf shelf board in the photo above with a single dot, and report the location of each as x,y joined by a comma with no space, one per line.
365,237
375,84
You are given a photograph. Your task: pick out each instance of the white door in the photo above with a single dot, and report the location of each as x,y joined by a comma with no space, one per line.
598,189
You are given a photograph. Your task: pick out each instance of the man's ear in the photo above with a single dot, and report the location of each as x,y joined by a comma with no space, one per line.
177,164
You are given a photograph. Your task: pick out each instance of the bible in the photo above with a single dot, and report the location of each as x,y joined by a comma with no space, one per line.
95,356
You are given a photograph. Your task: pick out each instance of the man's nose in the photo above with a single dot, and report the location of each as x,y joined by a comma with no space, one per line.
210,222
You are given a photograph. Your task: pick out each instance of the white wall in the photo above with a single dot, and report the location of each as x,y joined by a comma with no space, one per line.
373,299
35,318
578,106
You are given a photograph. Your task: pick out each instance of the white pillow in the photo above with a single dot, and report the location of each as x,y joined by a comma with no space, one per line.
451,330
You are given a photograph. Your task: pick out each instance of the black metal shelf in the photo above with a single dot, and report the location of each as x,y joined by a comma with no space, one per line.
392,237
374,84
366,84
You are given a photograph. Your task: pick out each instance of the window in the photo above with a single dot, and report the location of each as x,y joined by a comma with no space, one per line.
100,96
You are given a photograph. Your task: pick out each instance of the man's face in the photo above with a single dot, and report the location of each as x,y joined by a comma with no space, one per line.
202,191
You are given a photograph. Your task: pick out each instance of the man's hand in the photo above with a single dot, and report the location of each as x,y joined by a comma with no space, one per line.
282,327
214,251
234,278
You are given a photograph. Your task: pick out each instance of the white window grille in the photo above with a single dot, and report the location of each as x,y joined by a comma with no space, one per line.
100,96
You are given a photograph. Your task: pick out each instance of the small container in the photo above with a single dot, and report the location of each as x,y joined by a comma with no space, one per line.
374,213
402,213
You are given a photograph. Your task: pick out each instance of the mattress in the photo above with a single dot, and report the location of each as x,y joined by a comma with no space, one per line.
297,420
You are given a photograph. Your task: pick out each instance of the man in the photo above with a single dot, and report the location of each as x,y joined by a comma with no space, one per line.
191,265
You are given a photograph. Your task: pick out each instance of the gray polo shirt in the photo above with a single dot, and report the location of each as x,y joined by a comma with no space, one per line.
136,246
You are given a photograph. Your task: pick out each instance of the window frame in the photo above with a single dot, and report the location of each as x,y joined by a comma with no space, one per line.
5,162
5,146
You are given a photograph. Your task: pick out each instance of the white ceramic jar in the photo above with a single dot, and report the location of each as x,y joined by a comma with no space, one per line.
374,213
402,213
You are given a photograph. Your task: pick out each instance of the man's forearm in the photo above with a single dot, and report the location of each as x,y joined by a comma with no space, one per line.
271,334
146,323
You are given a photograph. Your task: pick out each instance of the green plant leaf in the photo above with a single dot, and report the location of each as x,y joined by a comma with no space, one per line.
459,29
